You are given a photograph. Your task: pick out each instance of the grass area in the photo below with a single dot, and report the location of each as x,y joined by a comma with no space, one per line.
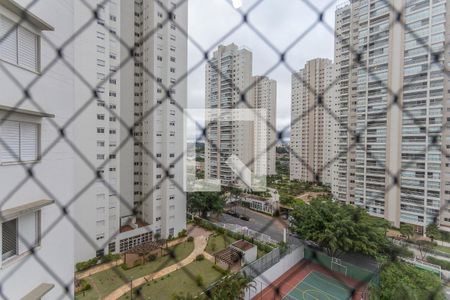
180,281
105,282
218,242
289,190
443,249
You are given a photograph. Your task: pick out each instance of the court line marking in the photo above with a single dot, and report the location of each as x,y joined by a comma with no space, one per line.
330,280
314,287
296,285
320,290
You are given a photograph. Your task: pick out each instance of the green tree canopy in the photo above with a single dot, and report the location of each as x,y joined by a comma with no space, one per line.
403,281
433,232
339,228
204,202
407,230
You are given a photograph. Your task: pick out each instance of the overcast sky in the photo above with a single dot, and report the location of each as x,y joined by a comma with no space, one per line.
280,21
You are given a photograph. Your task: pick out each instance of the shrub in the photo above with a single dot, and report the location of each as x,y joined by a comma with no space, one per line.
190,239
440,262
221,230
84,286
199,280
182,233
84,265
110,257
151,257
200,257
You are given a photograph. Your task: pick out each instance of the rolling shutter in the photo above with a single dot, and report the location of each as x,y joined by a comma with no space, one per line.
9,239
8,43
27,49
28,141
10,134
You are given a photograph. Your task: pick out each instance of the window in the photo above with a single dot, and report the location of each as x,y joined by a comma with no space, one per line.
100,62
20,47
22,141
9,239
28,227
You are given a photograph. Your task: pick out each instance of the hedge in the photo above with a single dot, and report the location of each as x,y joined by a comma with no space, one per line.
440,262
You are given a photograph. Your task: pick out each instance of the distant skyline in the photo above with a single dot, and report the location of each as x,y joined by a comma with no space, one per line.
280,21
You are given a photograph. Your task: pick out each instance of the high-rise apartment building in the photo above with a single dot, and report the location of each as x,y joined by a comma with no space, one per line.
265,99
311,148
228,74
397,171
159,99
133,131
36,174
97,129
229,82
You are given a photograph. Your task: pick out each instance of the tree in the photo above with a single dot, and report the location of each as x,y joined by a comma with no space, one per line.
339,228
205,202
404,282
425,247
433,232
407,230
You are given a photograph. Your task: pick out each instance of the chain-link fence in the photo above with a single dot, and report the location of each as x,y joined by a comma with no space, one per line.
93,100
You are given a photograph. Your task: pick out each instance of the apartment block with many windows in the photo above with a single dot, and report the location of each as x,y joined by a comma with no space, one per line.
399,168
160,95
228,74
265,99
97,129
36,174
312,128
230,85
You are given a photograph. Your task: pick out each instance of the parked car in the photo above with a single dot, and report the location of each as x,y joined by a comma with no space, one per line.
232,213
245,218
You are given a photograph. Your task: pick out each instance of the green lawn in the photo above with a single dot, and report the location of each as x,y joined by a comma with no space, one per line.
443,249
218,242
180,281
105,282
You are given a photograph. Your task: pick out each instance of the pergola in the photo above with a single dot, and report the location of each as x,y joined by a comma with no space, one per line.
229,256
146,247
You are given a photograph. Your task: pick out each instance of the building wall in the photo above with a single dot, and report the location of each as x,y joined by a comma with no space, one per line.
159,197
97,130
226,138
54,94
265,98
309,121
399,171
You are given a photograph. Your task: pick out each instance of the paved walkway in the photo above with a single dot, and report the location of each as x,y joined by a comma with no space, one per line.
106,266
97,269
199,247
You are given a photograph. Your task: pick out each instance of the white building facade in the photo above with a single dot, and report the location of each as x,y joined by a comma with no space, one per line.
37,240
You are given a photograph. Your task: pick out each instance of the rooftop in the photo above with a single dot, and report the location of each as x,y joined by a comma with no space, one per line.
243,245
139,224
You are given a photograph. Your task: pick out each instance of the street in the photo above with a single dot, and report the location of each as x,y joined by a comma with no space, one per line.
259,222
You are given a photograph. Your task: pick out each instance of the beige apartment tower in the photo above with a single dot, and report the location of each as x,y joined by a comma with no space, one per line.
265,99
312,123
392,159
230,85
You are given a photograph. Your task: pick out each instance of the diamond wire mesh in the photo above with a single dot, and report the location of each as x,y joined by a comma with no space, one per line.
355,135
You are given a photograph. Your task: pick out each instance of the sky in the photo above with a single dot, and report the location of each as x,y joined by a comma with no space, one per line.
281,22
